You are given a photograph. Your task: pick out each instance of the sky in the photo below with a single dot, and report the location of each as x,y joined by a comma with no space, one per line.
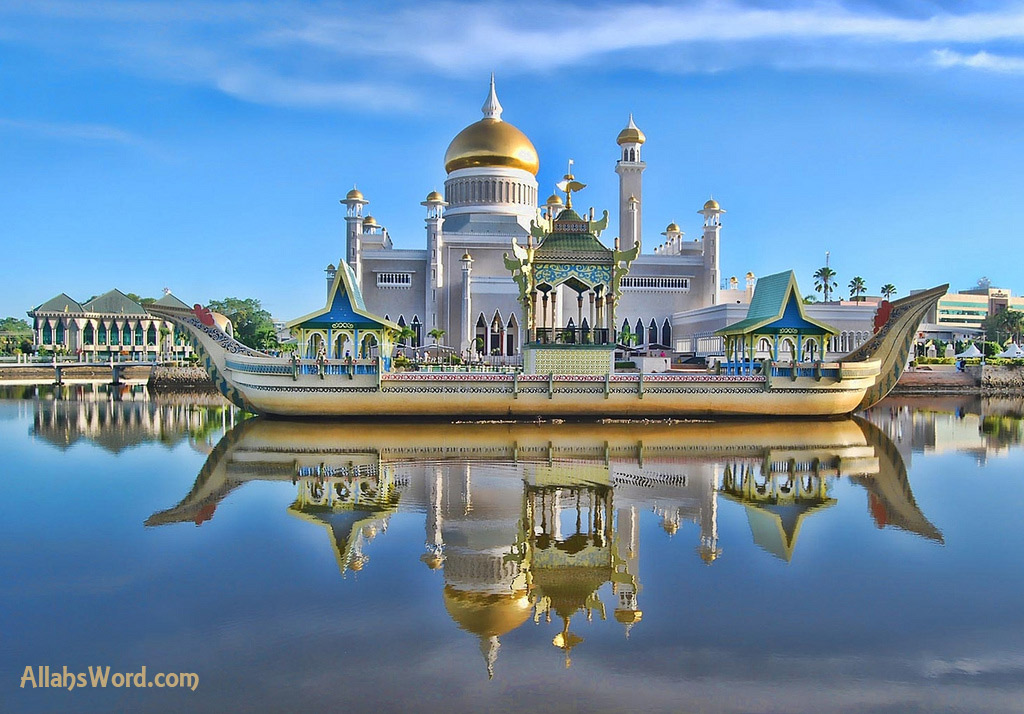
203,146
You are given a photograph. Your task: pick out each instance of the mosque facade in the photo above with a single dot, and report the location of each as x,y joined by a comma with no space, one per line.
459,283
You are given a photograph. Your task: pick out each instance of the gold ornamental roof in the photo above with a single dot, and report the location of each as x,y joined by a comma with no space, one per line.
491,142
487,614
711,205
631,134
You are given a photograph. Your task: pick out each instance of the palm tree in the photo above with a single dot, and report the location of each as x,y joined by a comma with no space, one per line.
824,281
888,290
857,287
810,299
405,334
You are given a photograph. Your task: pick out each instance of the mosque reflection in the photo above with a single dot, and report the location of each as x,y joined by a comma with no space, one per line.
528,520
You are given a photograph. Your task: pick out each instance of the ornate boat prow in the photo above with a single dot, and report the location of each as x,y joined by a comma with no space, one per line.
212,345
896,326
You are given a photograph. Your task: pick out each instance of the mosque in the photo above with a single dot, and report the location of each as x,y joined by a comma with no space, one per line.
459,283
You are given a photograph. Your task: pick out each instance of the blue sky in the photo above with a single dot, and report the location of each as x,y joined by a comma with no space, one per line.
203,146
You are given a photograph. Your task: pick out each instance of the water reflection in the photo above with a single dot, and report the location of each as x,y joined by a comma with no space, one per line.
983,427
119,418
534,520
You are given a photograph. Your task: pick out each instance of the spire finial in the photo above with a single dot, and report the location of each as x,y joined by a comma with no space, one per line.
632,124
492,107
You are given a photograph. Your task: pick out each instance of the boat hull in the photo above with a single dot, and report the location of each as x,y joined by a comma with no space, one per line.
528,396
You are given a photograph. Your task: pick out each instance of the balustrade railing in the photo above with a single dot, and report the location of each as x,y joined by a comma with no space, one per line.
571,336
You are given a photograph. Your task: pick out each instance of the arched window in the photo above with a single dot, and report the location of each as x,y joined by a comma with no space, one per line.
639,331
47,333
101,337
666,333
652,333
150,336
417,328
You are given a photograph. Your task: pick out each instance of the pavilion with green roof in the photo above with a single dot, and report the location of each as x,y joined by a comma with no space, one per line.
776,321
579,338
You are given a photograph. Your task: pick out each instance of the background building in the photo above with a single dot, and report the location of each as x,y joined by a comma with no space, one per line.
109,325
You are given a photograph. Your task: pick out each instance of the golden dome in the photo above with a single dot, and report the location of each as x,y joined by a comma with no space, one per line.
369,221
631,134
467,256
487,614
711,205
672,228
491,142
669,527
628,617
354,195
434,196
554,200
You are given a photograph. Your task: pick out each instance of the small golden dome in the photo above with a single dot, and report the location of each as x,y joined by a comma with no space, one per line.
669,527
711,205
467,256
628,617
554,200
631,134
487,614
354,195
672,228
491,142
434,197
749,275
369,221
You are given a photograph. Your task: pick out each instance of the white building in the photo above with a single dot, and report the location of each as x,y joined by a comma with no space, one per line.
459,283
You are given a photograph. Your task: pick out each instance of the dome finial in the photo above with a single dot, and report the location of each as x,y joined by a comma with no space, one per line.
492,107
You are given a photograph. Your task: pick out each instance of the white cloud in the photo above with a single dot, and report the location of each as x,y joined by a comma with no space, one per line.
979,60
73,131
377,56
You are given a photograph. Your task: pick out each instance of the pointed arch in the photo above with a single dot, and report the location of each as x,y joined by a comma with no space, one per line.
512,335
666,333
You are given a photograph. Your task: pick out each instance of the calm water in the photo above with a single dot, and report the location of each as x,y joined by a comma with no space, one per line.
860,565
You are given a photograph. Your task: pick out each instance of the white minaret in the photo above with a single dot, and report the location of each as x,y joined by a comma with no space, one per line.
630,169
435,204
331,272
354,203
467,305
712,213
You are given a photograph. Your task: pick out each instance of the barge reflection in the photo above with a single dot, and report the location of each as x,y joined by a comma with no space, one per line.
533,520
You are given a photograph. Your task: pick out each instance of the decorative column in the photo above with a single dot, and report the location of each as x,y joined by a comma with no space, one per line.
467,306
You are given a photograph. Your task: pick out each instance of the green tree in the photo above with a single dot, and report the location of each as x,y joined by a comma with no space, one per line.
857,288
824,281
140,300
1004,325
15,336
627,338
405,335
810,299
888,290
253,325
436,334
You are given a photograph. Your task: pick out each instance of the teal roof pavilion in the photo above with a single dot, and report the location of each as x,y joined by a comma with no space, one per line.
777,309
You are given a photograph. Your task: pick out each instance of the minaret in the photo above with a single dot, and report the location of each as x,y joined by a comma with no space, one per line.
331,272
712,213
467,306
354,203
627,584
435,204
630,169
